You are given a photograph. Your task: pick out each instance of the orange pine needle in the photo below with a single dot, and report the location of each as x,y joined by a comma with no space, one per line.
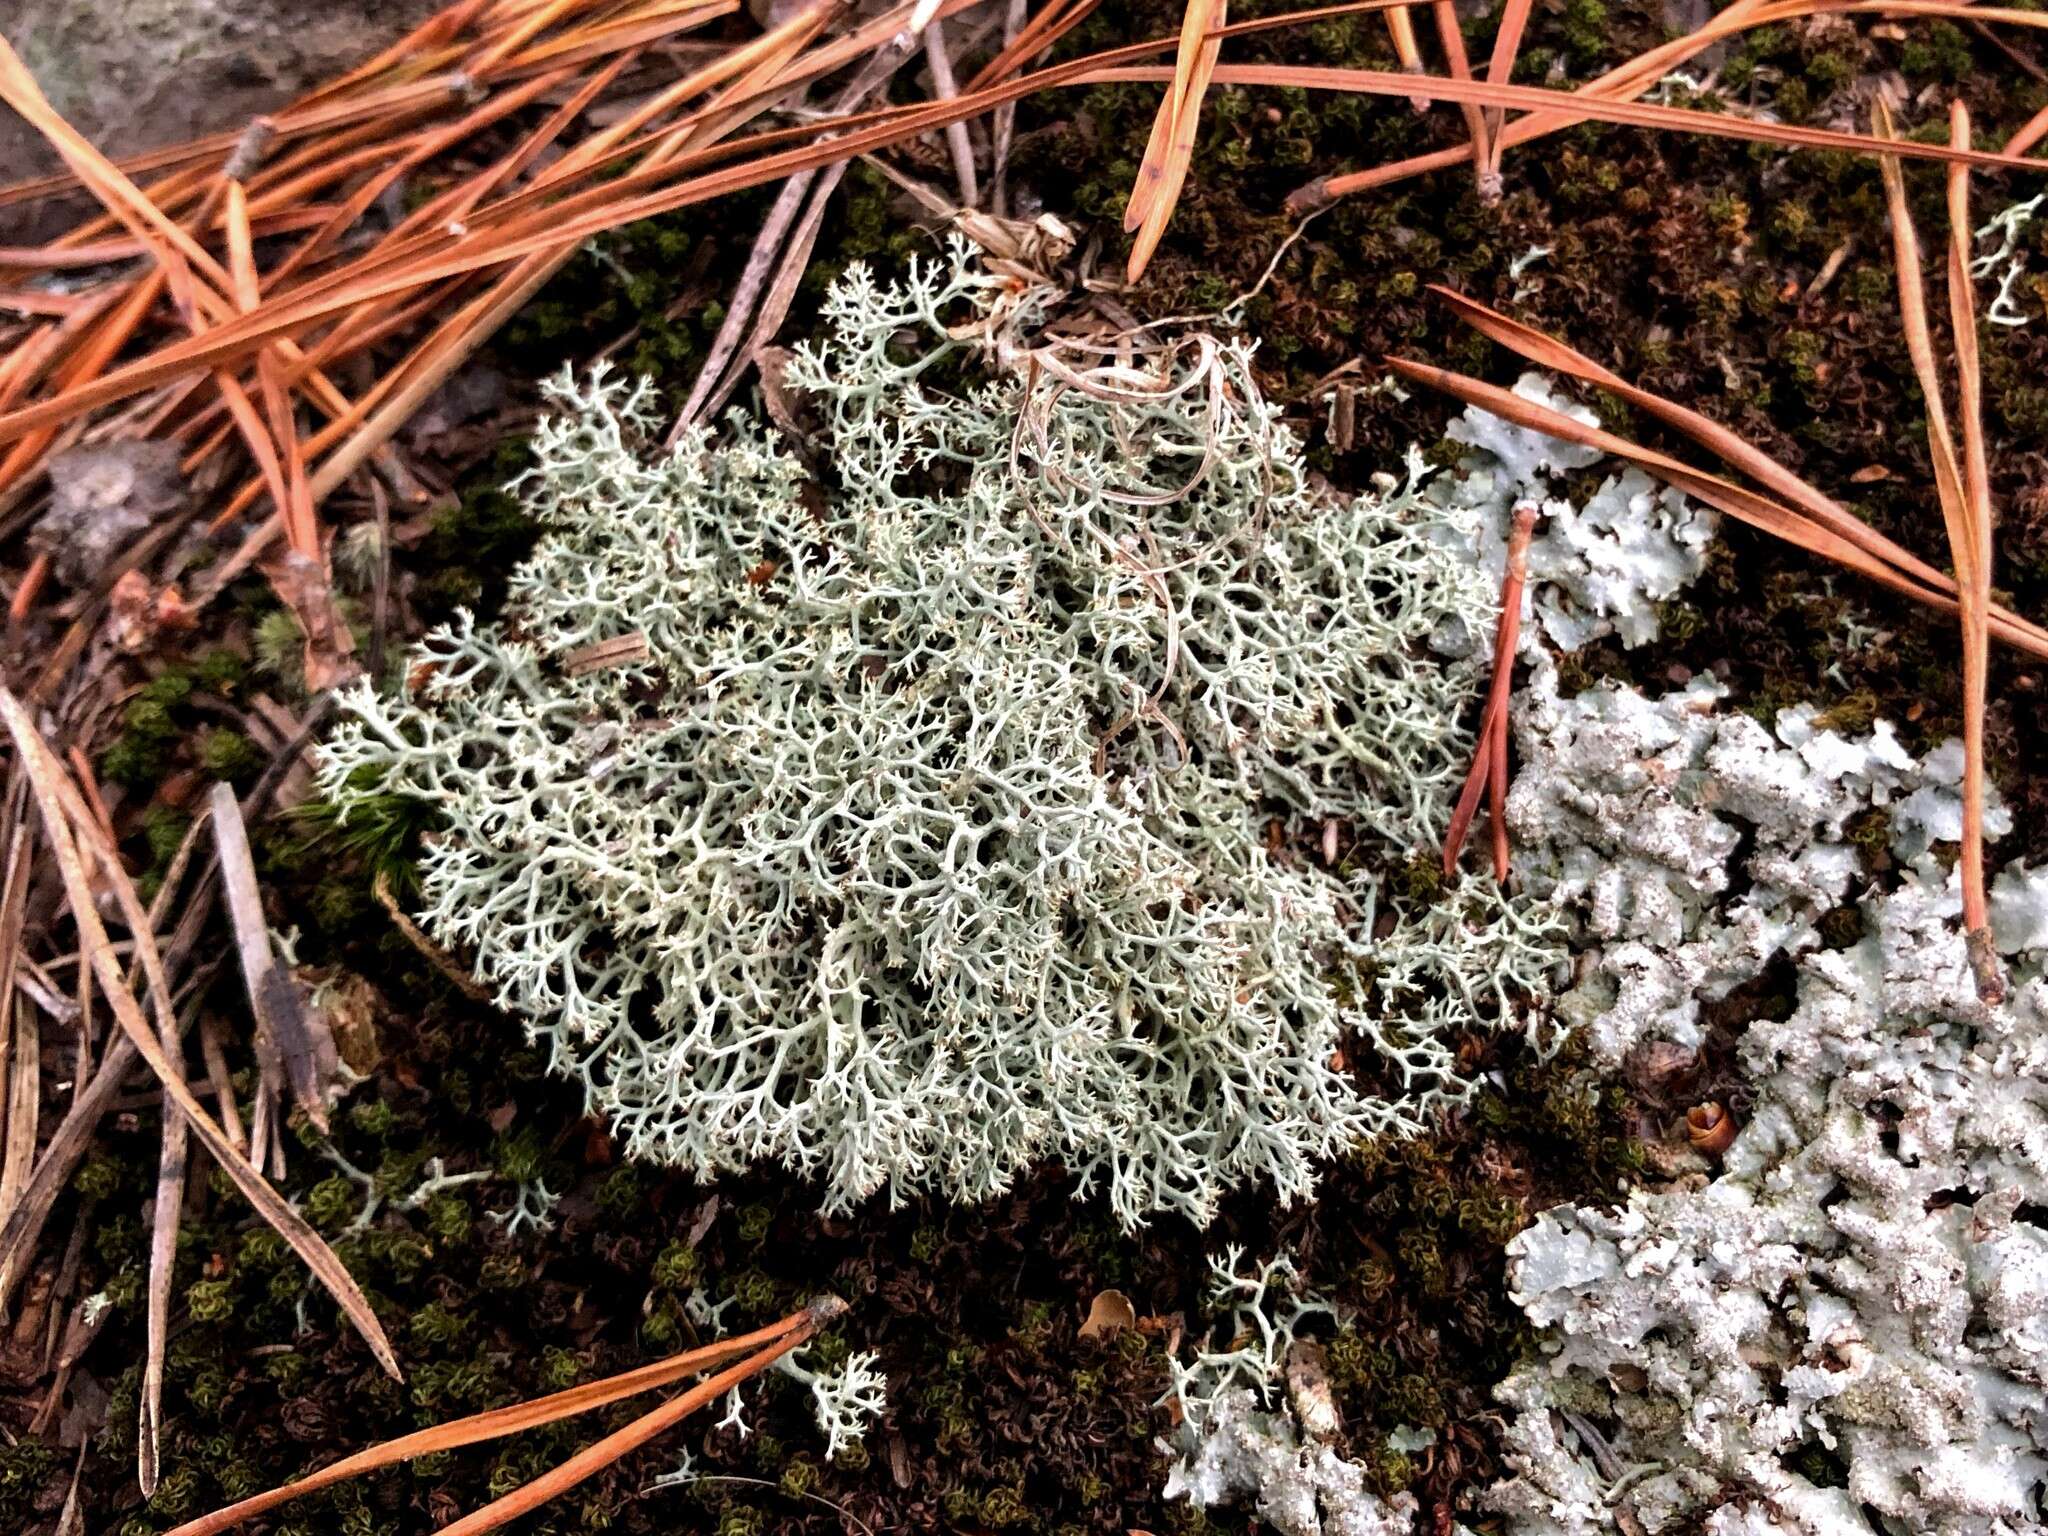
499,1422
23,602
1489,770
1500,70
1401,32
1737,501
1976,506
1172,146
1452,37
594,1459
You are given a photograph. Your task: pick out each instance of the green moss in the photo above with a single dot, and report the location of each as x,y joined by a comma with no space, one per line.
24,1467
754,1292
98,1177
1852,715
677,1268
520,1158
1803,353
1586,30
220,672
332,1203
1841,927
279,647
620,1194
1937,51
449,1218
755,1221
473,547
852,1459
230,756
1830,70
210,1301
152,725
177,1495
502,1271
437,1327
1003,1508
1870,831
373,1117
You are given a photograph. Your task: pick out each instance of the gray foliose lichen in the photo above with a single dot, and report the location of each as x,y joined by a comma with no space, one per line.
1845,1332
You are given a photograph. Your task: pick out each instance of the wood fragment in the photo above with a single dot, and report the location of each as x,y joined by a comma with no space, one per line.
22,1226
215,1056
20,1032
301,1040
605,655
946,88
1003,124
163,1248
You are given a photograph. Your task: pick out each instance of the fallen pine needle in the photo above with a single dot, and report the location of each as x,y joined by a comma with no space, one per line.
499,1422
1172,146
1737,501
1489,771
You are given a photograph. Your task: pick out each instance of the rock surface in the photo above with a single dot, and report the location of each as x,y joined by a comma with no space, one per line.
136,74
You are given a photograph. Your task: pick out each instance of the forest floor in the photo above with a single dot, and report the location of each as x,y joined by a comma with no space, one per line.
1750,282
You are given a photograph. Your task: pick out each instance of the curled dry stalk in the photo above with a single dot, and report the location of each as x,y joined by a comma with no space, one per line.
734,1361
1109,373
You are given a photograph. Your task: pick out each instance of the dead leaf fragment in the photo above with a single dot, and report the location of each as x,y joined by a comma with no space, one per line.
1310,1393
102,498
1109,1314
305,586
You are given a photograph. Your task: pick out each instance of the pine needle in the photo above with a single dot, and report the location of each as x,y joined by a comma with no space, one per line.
499,1422
1172,146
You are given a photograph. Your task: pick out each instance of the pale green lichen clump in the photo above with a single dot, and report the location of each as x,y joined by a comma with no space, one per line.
950,817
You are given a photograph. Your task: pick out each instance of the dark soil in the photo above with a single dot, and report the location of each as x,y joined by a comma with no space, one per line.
1688,265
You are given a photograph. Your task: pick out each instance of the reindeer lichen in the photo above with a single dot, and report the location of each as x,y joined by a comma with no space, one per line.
914,824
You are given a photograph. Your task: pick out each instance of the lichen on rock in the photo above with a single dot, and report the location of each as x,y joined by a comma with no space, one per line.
1241,1438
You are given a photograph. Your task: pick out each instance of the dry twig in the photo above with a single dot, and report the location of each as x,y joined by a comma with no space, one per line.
72,835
